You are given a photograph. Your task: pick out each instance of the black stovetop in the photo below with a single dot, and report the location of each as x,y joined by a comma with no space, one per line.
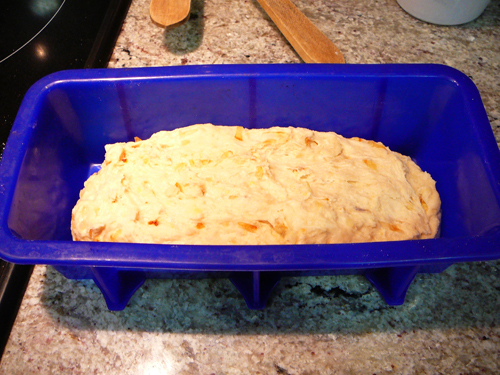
39,37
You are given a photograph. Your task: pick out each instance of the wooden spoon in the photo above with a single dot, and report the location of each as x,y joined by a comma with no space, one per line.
169,12
308,41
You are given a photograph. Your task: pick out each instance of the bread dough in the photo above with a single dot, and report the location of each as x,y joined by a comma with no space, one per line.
218,185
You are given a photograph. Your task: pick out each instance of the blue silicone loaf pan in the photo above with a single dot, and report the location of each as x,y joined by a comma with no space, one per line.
432,113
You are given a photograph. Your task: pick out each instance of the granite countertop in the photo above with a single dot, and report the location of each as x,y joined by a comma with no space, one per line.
449,324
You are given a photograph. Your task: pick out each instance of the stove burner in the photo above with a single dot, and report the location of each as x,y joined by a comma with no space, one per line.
29,19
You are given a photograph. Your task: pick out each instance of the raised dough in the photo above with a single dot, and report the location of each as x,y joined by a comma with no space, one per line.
207,184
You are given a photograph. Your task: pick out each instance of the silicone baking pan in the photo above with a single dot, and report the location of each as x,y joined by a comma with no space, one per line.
433,113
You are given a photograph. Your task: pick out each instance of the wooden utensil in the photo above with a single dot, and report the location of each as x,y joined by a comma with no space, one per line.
308,41
169,12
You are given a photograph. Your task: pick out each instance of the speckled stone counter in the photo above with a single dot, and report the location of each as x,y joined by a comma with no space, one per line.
449,324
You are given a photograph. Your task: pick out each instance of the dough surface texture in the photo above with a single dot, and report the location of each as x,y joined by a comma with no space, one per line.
223,185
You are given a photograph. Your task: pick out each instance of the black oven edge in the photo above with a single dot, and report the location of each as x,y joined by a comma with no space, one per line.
14,279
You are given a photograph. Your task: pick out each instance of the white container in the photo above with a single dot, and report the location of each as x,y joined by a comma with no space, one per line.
444,12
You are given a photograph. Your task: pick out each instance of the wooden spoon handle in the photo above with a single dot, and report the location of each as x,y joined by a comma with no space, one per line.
308,41
169,12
